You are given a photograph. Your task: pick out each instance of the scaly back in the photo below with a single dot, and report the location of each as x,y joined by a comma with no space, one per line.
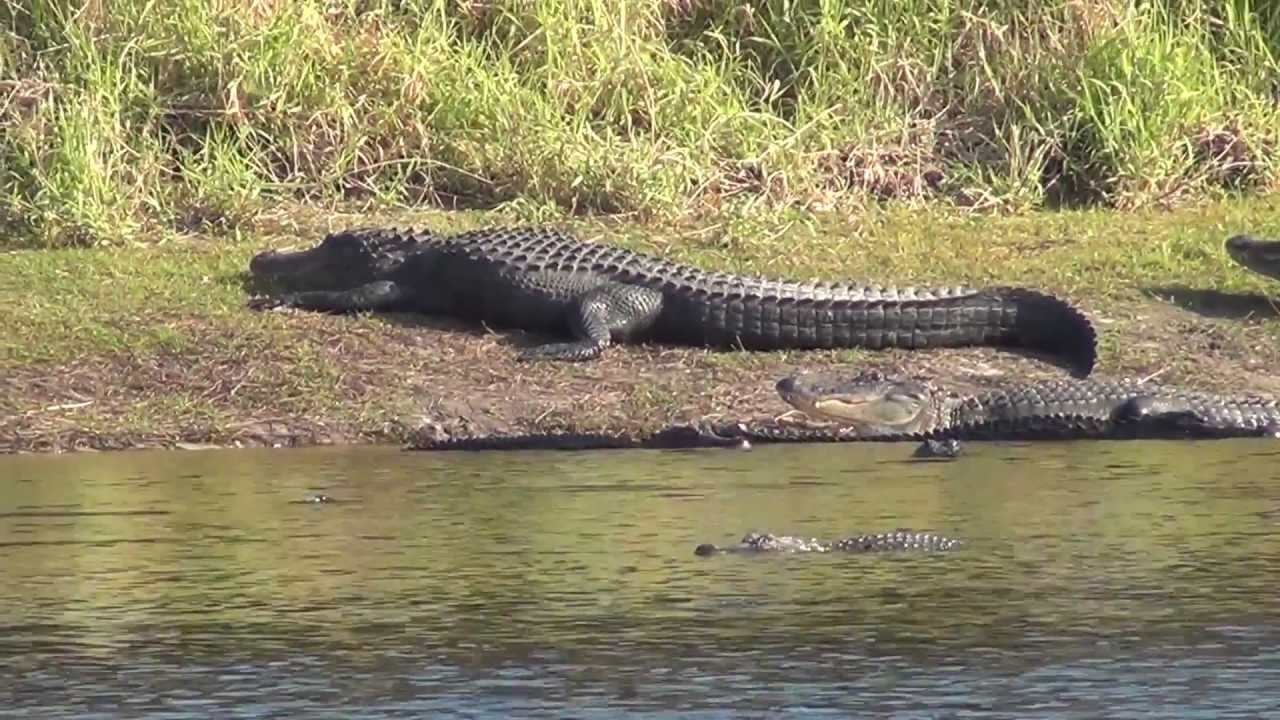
542,249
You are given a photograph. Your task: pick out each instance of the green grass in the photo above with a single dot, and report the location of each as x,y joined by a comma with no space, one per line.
153,342
133,119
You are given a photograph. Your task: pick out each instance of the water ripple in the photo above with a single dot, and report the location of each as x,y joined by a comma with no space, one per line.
1098,579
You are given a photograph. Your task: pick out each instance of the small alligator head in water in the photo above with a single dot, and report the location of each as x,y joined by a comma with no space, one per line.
871,403
341,261
1260,256
764,542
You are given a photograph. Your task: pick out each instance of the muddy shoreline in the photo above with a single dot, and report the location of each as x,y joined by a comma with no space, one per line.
465,382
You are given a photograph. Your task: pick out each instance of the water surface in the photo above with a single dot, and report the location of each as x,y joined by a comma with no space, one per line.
1099,579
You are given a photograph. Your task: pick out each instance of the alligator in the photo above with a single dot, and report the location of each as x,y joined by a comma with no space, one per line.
680,436
899,540
875,406
545,280
1260,256
674,437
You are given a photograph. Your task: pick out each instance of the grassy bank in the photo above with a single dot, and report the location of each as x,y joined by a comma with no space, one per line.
131,119
153,345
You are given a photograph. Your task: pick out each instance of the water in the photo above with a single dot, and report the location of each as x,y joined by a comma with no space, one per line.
1100,579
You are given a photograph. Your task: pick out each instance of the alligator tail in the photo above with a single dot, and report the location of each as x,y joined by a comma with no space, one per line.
532,441
1049,325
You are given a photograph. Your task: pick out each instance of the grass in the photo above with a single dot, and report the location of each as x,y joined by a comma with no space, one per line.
152,344
1101,149
136,120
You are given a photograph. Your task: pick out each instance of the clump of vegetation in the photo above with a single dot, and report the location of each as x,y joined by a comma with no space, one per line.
122,118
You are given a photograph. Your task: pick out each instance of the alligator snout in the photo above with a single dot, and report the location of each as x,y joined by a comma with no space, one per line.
265,262
278,261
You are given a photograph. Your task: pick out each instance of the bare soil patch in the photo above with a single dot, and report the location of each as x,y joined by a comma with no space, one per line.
332,379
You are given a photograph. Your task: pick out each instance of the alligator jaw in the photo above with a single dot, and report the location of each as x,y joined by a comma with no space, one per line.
870,404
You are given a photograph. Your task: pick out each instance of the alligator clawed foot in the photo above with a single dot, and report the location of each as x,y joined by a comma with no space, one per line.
267,303
949,449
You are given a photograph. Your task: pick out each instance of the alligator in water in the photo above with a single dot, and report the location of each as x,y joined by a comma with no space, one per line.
874,406
900,540
545,280
1260,256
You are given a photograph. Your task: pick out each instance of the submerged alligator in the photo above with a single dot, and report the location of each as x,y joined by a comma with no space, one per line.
1260,256
876,407
545,280
899,540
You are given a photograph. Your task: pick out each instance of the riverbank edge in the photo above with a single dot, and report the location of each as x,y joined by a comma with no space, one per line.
152,346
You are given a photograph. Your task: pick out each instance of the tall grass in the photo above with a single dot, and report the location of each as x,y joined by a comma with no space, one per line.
126,117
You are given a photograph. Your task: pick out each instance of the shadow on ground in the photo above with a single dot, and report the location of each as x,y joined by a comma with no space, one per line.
256,288
1217,304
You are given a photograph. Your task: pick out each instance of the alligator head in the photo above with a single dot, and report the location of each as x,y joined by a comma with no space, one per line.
872,404
754,542
343,260
1260,256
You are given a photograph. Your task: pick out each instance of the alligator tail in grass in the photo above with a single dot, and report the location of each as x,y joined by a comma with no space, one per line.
544,280
897,541
874,406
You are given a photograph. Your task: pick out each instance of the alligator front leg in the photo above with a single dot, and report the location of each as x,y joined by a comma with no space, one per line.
610,311
381,295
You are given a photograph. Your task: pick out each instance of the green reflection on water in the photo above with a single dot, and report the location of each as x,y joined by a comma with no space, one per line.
1082,541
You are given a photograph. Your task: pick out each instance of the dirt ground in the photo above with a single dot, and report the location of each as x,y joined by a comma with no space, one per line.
389,379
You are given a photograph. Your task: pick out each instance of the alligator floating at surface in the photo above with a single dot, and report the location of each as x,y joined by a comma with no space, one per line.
899,540
546,280
875,406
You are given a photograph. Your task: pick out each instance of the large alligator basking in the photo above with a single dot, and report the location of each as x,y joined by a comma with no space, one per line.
545,280
874,406
897,541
